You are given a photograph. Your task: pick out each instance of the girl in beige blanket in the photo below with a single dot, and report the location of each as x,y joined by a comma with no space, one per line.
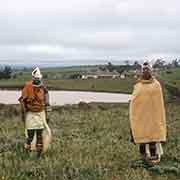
147,116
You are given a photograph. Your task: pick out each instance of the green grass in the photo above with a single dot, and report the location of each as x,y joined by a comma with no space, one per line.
90,143
173,77
106,85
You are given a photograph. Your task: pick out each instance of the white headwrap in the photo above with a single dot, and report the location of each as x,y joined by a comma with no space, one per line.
36,74
37,77
147,65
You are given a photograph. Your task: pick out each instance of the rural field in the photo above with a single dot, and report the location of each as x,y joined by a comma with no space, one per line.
59,79
90,142
74,65
100,85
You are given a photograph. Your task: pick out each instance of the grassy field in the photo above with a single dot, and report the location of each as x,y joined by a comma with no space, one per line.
106,85
90,142
172,78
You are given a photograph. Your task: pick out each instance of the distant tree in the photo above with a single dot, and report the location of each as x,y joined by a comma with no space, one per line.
110,67
169,66
1,75
20,73
175,62
102,68
75,76
6,73
159,63
14,76
120,69
127,65
136,65
126,62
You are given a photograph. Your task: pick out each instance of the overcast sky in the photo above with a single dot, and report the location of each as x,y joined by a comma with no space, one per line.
34,31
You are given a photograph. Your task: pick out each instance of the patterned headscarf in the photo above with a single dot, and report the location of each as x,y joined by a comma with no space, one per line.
147,66
37,77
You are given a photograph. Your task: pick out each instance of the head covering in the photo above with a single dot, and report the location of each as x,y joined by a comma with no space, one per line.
37,77
147,66
36,73
146,73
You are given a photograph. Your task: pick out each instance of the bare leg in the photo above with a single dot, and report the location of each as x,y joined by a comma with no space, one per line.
159,150
30,134
39,143
147,150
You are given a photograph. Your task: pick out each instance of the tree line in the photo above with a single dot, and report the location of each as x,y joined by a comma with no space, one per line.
159,63
6,72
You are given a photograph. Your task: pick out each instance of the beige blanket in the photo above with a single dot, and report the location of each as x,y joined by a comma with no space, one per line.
147,113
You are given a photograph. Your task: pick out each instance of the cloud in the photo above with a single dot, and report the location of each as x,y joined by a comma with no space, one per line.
91,29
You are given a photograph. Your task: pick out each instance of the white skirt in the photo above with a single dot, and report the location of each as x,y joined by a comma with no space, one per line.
38,121
35,120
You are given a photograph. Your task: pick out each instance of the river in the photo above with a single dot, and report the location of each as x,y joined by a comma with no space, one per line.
69,97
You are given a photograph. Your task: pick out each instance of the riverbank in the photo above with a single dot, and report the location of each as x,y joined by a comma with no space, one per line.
90,141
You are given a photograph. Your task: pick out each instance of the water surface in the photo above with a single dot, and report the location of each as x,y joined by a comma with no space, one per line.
68,97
